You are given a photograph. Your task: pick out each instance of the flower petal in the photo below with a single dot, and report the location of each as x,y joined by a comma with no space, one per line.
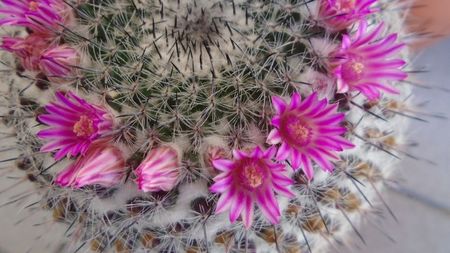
307,167
283,152
223,165
278,104
274,137
247,212
237,205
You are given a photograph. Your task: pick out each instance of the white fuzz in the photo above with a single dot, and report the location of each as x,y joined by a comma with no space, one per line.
199,76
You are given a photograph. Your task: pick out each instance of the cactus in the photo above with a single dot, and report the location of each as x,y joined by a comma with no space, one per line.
129,115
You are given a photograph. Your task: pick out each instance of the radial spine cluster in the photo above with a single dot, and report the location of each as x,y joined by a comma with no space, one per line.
204,125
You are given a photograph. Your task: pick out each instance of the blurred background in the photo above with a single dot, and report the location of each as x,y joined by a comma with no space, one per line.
421,203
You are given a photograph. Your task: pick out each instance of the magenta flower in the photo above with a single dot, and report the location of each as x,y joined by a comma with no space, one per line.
74,125
28,50
59,61
159,171
337,15
103,164
308,130
248,178
364,63
38,53
41,16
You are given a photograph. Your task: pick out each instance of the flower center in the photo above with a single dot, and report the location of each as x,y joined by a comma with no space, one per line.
353,71
252,175
84,127
344,6
33,6
299,132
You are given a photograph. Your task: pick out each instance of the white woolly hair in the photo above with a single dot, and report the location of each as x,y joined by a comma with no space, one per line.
190,74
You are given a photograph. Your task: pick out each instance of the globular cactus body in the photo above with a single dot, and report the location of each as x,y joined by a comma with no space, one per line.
146,119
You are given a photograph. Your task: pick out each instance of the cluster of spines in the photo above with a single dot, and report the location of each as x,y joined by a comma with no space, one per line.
185,100
121,72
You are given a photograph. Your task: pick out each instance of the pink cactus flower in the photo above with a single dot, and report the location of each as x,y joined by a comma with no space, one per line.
59,61
41,16
73,125
248,178
28,50
159,171
307,130
38,53
337,15
365,63
103,164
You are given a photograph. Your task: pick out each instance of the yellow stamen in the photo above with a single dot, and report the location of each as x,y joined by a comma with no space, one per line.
33,6
358,67
253,176
300,132
345,5
84,127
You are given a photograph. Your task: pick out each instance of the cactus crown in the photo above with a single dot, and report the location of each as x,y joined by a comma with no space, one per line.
175,86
